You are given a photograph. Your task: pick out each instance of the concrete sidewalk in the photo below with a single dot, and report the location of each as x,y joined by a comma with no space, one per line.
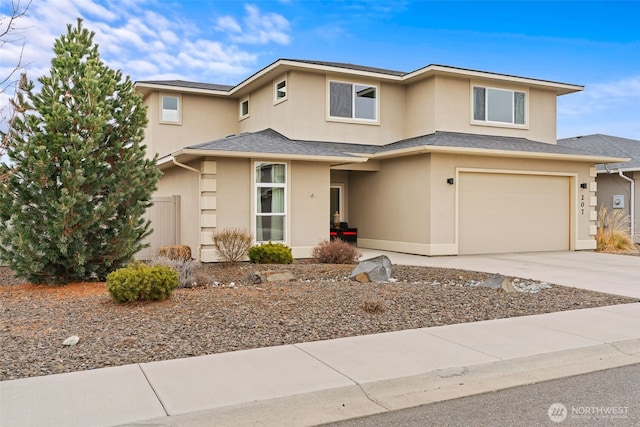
325,381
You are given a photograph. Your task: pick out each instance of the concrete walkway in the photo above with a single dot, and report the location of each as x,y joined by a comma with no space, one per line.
324,381
614,274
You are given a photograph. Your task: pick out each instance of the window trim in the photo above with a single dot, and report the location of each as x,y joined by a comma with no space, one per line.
340,187
277,100
486,122
161,119
353,119
240,104
254,198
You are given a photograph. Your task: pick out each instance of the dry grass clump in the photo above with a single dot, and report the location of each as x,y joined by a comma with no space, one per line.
373,304
613,234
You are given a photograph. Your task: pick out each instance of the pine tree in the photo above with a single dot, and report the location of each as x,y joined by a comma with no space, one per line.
71,208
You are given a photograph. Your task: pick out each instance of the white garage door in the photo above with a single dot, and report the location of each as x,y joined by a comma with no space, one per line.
500,213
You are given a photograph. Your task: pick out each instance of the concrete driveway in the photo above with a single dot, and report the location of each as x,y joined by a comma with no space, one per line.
614,274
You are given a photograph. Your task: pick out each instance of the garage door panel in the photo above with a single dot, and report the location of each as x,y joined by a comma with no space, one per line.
500,213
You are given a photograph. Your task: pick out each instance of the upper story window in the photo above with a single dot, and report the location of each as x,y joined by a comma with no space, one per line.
353,101
244,108
280,91
170,109
499,105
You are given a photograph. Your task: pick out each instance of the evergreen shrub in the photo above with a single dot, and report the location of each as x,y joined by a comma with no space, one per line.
140,282
270,253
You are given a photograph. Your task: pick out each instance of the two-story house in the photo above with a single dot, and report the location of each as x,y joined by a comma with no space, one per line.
437,161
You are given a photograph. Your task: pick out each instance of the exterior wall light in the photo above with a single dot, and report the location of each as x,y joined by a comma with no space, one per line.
583,185
450,181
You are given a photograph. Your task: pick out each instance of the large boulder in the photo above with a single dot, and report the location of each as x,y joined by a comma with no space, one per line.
377,269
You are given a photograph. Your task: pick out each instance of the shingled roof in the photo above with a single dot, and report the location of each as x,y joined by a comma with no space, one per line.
269,141
190,85
609,146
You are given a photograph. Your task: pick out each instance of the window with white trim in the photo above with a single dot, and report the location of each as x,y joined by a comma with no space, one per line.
353,101
244,108
499,105
270,201
170,109
280,91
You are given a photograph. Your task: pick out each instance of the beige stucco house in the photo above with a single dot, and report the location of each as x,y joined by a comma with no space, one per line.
437,161
618,183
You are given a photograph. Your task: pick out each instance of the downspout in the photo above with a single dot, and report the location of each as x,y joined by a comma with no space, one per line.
632,203
182,165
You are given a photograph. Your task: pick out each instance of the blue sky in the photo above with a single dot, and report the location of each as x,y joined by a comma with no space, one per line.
590,43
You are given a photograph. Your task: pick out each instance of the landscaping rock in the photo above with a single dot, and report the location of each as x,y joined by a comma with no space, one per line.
494,282
71,341
269,276
377,269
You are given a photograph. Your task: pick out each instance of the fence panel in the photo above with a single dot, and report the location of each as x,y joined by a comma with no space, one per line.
165,222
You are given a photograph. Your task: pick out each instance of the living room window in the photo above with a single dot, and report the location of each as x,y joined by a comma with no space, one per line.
270,201
353,101
170,109
494,105
280,91
244,108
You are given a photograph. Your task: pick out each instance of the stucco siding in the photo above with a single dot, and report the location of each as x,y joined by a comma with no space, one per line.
204,118
309,201
392,204
305,116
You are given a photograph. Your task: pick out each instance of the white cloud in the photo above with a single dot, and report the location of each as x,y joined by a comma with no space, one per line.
601,96
228,23
146,39
606,107
258,28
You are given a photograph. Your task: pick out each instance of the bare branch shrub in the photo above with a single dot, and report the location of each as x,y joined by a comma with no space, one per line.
335,252
232,243
9,33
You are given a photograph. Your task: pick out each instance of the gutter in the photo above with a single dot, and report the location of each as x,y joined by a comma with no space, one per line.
632,203
182,165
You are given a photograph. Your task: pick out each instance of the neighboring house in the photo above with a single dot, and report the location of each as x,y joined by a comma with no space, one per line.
618,183
437,161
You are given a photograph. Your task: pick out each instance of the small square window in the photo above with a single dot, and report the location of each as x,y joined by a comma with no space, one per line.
280,91
244,109
170,109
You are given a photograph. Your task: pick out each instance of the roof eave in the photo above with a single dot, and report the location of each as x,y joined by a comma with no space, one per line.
187,154
183,89
425,149
432,70
616,170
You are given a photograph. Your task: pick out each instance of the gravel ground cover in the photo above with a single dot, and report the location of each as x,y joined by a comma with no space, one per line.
229,313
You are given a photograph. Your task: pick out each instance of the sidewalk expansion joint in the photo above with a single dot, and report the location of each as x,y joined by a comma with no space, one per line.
372,400
139,365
